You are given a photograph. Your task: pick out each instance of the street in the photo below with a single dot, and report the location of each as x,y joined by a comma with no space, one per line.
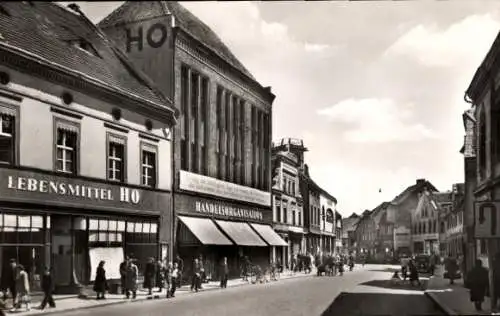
361,292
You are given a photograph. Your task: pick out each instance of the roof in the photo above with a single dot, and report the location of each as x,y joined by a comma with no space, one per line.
132,11
349,223
47,33
442,197
481,77
315,186
421,184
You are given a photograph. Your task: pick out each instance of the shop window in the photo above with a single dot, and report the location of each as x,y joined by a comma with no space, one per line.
66,146
21,229
105,231
149,165
7,138
116,158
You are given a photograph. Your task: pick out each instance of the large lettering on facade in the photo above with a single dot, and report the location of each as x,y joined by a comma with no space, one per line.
52,189
62,188
225,210
156,36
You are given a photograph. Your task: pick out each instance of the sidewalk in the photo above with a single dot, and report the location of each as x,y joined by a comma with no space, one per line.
453,299
66,303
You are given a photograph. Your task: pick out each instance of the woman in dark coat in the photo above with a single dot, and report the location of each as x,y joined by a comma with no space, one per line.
477,282
413,273
149,276
100,283
160,275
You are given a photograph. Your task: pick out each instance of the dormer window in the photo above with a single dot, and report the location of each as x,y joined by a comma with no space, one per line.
85,46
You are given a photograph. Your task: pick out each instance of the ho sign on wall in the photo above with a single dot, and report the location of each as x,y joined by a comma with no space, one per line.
155,36
487,219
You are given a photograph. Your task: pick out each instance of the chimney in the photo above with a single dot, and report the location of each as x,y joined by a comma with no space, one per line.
306,170
420,181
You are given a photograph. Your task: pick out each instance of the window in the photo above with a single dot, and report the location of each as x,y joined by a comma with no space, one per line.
278,213
148,165
184,122
66,146
300,219
7,139
285,215
293,218
106,231
116,158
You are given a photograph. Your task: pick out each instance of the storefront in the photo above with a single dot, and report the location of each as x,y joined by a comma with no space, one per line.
214,229
70,224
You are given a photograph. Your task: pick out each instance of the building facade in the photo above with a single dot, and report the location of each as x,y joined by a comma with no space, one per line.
349,225
288,215
222,144
366,235
482,93
85,149
425,224
338,233
453,220
384,238
329,222
472,250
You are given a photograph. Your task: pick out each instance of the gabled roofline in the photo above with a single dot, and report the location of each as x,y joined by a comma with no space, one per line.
481,78
11,56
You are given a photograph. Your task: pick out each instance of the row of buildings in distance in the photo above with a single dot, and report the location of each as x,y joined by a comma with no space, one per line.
142,136
420,220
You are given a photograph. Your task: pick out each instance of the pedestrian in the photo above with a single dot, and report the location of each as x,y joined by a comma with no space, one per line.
404,267
413,273
175,274
224,272
161,270
203,275
149,276
477,283
8,281
48,289
100,282
180,267
168,277
23,287
451,268
123,274
496,279
131,277
196,277
432,263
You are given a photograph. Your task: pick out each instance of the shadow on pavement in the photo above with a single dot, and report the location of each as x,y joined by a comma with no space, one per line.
398,285
370,304
386,270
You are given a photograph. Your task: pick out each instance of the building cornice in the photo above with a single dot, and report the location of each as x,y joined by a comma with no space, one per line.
195,47
26,63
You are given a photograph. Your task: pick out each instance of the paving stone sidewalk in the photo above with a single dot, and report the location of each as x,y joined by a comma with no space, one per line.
453,299
66,303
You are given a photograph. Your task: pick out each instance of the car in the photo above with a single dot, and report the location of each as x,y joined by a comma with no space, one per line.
423,263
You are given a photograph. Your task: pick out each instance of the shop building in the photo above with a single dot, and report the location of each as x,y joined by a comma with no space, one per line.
222,144
425,222
82,135
312,217
288,215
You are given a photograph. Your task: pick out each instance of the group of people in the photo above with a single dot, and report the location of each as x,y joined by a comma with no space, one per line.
408,271
333,264
15,280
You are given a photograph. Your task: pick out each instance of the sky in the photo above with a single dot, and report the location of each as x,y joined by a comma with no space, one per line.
375,89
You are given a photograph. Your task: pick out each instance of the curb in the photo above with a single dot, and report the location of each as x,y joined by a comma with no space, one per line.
445,309
53,312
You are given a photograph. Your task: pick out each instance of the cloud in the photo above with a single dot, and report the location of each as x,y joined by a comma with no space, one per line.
467,40
376,120
315,47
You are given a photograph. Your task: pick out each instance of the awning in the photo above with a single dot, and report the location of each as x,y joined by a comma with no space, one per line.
205,230
269,235
241,233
